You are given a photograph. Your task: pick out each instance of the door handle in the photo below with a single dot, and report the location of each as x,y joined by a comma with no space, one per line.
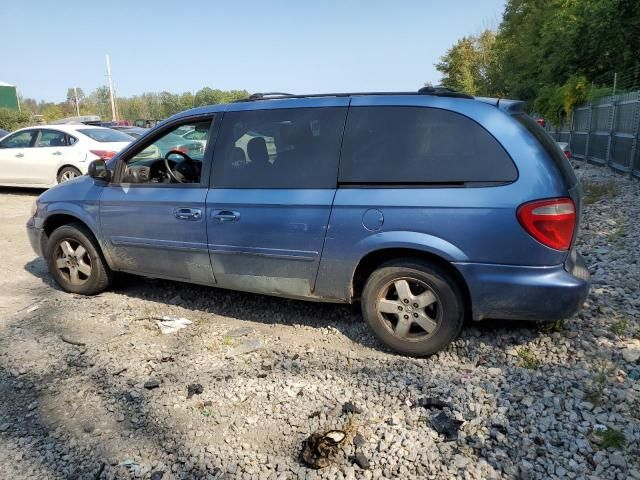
19,155
188,213
56,153
226,216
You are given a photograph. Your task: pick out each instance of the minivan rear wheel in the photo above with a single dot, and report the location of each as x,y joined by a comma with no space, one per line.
413,307
75,261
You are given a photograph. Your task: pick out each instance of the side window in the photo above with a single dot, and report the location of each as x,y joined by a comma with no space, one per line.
51,138
413,145
171,158
22,139
283,148
71,140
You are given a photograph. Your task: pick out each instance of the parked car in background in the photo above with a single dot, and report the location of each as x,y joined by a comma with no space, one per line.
176,141
3,133
566,151
135,132
46,155
146,122
426,207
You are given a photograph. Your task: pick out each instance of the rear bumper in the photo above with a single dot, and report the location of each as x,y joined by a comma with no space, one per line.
527,293
36,237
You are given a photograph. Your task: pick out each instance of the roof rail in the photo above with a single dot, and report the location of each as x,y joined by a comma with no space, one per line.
443,92
268,95
435,91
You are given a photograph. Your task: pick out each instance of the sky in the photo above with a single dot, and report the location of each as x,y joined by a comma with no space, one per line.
178,46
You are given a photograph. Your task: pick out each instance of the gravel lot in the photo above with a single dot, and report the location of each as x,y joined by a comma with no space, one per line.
553,401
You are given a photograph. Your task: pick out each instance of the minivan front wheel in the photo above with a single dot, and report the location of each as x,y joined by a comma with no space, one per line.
413,307
75,261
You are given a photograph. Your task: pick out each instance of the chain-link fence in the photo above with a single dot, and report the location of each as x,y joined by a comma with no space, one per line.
605,132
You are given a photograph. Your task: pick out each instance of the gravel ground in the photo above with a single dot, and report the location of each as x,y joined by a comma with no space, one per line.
90,388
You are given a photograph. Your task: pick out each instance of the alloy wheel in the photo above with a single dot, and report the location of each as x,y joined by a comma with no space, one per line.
73,261
410,309
68,175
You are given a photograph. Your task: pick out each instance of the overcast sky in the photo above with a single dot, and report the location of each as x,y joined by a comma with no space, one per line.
290,46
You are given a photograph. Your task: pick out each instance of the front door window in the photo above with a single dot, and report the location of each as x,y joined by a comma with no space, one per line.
22,139
174,158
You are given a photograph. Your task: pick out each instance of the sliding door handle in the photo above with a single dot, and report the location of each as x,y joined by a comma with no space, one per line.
226,216
187,213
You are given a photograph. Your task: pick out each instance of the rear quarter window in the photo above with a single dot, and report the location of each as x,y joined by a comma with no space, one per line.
550,146
420,145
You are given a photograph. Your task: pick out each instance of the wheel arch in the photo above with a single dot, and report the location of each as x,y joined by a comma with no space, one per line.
374,259
58,219
65,165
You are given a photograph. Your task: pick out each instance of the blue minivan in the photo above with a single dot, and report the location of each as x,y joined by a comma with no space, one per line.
426,207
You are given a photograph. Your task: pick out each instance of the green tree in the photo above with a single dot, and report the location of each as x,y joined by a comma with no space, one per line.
11,120
467,65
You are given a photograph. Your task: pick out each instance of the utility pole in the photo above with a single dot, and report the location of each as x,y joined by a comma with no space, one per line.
111,94
615,82
75,95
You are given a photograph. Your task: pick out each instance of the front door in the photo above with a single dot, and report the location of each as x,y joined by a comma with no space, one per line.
153,214
48,153
14,151
273,183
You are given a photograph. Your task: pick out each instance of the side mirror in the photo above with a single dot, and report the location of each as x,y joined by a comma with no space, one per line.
98,170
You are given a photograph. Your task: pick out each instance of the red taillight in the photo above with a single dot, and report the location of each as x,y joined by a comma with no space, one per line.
104,154
567,154
551,222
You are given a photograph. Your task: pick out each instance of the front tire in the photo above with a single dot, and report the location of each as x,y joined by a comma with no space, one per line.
413,307
75,261
68,173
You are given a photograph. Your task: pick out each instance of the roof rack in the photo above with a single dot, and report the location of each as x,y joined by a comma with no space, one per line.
435,91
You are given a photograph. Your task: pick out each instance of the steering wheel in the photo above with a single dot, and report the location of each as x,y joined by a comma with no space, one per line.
185,171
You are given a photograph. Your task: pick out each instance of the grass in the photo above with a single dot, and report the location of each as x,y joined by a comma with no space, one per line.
206,413
551,327
599,381
620,326
596,191
527,359
611,438
227,341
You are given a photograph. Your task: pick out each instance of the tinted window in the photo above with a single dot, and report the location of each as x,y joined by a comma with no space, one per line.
286,148
105,135
406,145
550,146
19,140
51,138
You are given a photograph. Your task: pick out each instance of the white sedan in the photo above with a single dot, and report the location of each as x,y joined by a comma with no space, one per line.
49,154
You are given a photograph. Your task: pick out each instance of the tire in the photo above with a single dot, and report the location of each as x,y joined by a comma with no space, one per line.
432,325
68,173
64,256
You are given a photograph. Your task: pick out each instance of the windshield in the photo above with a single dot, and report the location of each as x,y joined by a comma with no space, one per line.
105,135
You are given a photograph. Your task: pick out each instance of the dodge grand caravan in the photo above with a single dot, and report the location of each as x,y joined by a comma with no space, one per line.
426,207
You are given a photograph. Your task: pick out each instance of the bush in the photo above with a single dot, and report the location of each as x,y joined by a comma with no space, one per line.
11,120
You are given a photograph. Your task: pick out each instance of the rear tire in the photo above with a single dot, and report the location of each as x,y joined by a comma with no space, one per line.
76,262
68,173
413,307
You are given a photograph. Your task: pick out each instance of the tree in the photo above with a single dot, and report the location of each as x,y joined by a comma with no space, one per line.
11,120
466,66
550,53
71,95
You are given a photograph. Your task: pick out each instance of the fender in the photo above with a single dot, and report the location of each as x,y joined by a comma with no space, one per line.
86,213
338,265
413,240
